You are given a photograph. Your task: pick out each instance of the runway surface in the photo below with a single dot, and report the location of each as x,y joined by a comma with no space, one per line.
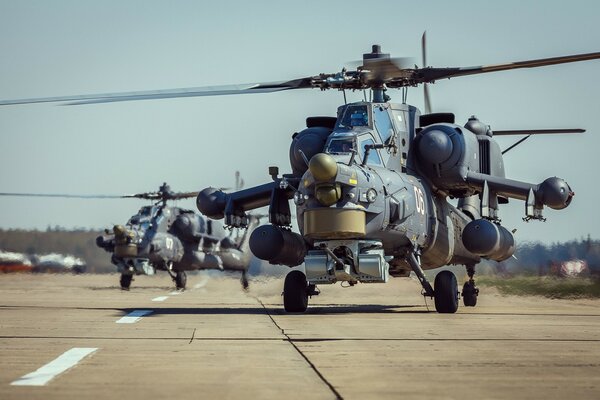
87,339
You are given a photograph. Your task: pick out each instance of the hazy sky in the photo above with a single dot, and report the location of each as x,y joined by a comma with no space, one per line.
51,48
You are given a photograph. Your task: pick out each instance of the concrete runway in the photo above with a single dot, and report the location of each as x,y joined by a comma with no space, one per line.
214,341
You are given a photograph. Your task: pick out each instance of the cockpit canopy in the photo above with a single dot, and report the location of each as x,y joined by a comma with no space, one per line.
143,216
354,116
347,143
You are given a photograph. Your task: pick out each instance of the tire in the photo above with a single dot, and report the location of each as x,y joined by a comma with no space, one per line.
180,280
295,293
469,294
125,281
446,293
244,281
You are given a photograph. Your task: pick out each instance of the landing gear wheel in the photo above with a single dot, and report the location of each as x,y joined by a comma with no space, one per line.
125,281
244,280
469,294
180,280
295,292
446,293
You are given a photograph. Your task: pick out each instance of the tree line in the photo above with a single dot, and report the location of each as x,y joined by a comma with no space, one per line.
530,257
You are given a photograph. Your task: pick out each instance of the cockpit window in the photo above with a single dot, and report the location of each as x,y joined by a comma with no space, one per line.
355,116
341,146
373,158
383,124
144,215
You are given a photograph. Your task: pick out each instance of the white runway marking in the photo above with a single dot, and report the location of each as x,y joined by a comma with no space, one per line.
65,361
133,316
160,298
174,293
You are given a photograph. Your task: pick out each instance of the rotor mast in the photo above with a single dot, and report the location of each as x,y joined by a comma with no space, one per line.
378,85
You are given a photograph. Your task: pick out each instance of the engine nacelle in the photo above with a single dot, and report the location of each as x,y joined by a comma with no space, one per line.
446,152
309,142
489,240
278,246
189,227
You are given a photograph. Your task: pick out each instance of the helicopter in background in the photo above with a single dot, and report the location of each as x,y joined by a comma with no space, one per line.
372,185
173,239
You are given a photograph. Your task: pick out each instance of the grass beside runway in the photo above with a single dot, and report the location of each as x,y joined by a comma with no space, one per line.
547,286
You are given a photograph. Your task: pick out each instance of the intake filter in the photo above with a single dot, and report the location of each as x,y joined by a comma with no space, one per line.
489,240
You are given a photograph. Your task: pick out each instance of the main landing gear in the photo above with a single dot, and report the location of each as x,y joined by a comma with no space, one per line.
180,280
125,281
445,292
179,277
470,291
244,280
297,290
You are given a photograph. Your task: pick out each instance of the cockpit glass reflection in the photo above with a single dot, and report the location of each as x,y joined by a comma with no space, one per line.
355,116
341,146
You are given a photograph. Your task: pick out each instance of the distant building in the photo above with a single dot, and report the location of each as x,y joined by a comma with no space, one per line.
568,269
18,262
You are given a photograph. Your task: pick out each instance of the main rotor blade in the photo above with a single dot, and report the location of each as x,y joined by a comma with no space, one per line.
68,196
426,97
424,75
169,93
160,196
145,196
536,131
184,195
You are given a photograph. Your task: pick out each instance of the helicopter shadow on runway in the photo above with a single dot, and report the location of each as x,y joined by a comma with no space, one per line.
272,309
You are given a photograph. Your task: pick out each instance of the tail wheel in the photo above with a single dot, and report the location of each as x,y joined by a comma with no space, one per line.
446,292
180,280
125,281
295,292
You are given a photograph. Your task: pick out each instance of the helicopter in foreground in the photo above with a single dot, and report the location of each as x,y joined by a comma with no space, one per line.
173,239
372,185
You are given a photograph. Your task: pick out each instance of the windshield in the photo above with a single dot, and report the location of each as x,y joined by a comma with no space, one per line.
373,158
341,146
383,124
144,215
355,116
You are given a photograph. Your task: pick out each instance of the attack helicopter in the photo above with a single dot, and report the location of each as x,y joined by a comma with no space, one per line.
372,185
172,239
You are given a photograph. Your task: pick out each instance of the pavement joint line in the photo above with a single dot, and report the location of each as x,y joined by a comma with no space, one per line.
310,340
133,316
192,338
62,363
337,394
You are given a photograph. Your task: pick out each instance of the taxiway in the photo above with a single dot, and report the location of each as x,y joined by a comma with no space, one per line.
216,341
